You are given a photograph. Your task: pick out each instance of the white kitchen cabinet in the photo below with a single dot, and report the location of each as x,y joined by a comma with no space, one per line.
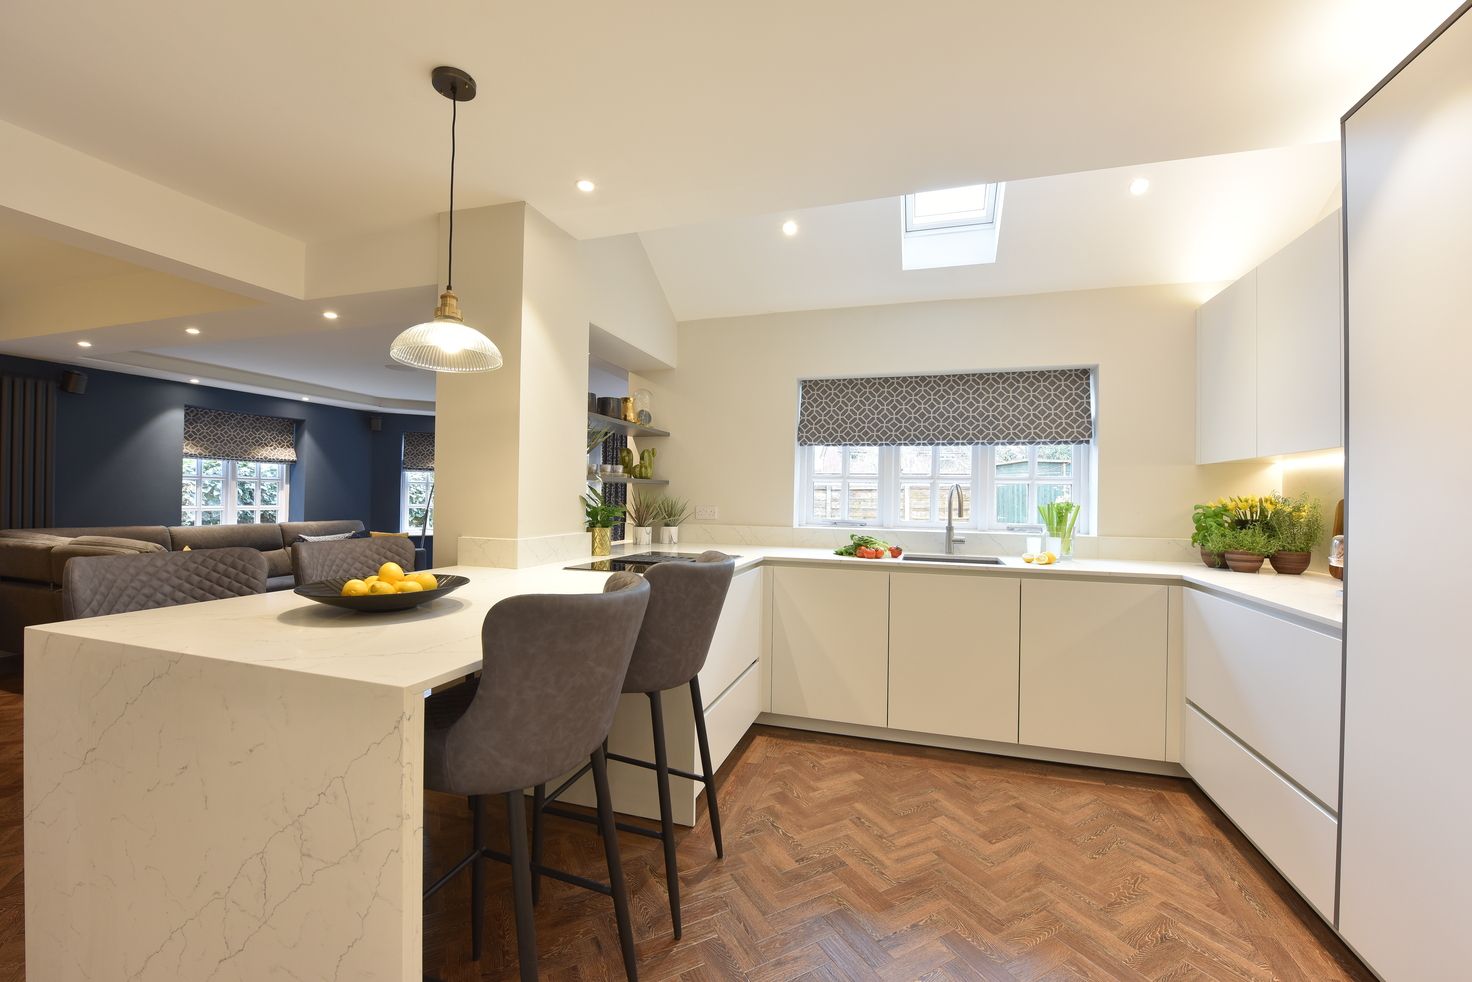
1300,332
1094,665
1273,684
953,654
830,644
1226,374
740,637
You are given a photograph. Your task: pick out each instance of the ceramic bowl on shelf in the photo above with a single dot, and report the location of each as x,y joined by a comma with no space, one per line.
330,592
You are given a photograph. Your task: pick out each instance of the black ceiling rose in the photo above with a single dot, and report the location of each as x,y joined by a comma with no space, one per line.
452,83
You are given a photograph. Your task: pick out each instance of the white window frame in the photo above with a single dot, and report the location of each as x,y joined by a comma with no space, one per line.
406,477
921,226
229,508
982,485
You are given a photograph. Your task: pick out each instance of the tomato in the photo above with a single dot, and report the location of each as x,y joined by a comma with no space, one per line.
894,552
862,552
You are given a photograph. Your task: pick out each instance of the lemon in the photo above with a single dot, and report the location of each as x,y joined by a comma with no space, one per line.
371,579
355,588
1052,558
391,572
1028,557
409,586
426,580
380,588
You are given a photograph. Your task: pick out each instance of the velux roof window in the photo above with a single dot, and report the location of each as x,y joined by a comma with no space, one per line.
951,226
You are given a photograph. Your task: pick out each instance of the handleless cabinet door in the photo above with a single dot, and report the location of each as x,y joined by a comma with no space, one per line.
1226,374
830,644
953,649
1094,664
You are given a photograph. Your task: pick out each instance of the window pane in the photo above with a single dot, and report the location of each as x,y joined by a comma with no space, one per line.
245,517
916,461
1055,461
955,461
1011,461
1049,493
190,493
418,494
191,465
416,520
915,502
210,516
270,493
271,472
1012,504
827,460
863,502
245,494
268,517
213,468
187,518
863,460
827,503
211,492
245,468
950,205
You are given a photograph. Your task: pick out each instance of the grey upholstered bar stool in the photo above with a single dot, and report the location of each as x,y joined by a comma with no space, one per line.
94,586
313,562
685,602
544,703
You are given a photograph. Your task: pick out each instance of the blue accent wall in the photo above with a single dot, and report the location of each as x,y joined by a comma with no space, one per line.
118,448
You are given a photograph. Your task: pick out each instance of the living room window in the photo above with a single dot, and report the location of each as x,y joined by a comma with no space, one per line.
416,512
233,492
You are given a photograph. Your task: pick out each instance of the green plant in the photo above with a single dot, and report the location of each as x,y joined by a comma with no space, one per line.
642,509
1254,539
672,512
1213,538
596,436
1059,517
1209,520
1297,524
598,513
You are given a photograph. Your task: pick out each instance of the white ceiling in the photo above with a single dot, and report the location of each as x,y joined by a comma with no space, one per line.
1204,220
317,119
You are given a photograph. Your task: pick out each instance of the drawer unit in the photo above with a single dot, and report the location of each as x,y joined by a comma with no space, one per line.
1273,684
729,717
1292,831
740,634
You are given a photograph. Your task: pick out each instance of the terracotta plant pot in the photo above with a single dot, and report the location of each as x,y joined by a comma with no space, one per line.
1291,563
1243,562
1213,559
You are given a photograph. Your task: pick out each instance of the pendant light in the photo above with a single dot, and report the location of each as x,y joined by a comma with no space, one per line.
447,343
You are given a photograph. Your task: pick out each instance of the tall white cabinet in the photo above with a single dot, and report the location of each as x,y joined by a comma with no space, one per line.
1226,374
1405,854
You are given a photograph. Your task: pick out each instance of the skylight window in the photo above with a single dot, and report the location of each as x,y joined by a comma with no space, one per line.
951,227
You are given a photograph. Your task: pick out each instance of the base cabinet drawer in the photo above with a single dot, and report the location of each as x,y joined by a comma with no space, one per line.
741,635
730,716
1295,834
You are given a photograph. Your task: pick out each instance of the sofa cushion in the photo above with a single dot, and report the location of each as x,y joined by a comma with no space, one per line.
278,563
28,559
290,530
114,542
264,538
275,583
147,533
32,535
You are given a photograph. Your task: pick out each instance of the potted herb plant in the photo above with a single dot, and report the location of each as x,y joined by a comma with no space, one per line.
1297,525
1245,549
641,512
673,512
1210,521
1059,517
600,517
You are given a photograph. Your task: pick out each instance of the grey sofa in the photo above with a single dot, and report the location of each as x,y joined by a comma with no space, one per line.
32,561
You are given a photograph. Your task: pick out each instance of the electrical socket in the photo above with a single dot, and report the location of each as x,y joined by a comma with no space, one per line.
707,513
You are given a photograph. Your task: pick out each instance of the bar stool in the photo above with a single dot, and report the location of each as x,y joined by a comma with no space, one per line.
312,562
544,702
685,603
95,586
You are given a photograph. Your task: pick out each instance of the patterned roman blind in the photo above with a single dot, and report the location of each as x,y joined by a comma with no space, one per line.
418,451
238,436
1052,406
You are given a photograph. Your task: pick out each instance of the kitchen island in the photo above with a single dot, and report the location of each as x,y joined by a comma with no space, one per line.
233,790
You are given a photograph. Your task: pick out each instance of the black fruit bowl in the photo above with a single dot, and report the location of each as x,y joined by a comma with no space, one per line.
330,592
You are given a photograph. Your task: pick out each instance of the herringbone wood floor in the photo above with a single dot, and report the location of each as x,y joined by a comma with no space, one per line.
848,859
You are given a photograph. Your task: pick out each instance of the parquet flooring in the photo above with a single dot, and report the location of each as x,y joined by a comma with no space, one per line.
849,859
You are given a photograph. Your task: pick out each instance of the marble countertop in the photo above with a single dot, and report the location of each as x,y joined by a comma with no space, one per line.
440,641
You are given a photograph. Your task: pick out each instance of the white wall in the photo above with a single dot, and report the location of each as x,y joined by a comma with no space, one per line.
627,304
732,402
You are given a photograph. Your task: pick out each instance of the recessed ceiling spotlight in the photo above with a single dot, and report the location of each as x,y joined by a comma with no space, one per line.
789,227
586,186
330,314
84,344
194,381
306,398
1139,186
191,330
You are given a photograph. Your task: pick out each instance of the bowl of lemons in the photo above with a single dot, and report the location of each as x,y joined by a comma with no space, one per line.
389,589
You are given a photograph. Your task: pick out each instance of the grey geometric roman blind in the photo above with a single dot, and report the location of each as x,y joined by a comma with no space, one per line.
238,436
1052,406
418,451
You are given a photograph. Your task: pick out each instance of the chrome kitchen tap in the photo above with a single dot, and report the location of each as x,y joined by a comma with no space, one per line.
952,497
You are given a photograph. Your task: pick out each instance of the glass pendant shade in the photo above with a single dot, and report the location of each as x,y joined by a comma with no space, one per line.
446,343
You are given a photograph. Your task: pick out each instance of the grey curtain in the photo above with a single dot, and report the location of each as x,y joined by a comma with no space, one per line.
238,436
27,452
418,451
1052,406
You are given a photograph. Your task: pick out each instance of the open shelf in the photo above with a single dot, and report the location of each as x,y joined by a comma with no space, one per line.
626,479
623,426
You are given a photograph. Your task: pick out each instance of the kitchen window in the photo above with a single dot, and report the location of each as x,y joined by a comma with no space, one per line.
908,486
233,492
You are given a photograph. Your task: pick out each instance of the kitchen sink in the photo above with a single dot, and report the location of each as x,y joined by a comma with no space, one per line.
964,560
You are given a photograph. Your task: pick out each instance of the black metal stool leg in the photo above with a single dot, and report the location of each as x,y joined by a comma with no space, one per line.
615,867
705,769
539,799
477,876
521,879
666,817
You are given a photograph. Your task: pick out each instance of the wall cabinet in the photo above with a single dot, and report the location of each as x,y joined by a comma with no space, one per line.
1094,664
1226,374
953,655
1269,355
830,644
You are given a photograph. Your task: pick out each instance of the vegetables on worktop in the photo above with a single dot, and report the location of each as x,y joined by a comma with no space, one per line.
868,547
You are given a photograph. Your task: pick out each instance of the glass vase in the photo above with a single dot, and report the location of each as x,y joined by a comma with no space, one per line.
1060,546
